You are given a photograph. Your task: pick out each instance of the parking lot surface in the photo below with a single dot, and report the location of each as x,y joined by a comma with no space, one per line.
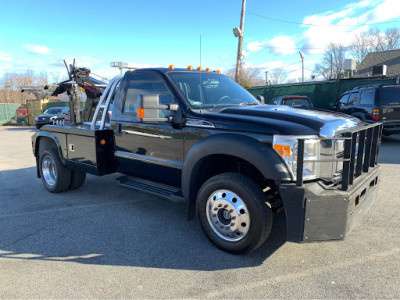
105,241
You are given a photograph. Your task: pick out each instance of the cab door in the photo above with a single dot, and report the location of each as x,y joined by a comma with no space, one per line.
152,151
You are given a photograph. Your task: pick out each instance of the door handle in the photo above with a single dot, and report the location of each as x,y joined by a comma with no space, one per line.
118,129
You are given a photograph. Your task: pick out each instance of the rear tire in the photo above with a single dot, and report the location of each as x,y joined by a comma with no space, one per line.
77,179
55,176
233,213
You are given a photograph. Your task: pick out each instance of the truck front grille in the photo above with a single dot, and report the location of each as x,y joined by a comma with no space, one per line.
361,149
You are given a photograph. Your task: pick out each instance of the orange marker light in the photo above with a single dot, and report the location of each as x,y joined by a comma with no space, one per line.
199,68
140,113
190,68
218,71
208,69
171,67
283,150
102,142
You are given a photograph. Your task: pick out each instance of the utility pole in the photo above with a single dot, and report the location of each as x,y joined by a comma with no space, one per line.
266,77
331,66
240,36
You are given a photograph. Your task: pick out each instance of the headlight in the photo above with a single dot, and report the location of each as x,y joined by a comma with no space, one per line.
320,156
287,145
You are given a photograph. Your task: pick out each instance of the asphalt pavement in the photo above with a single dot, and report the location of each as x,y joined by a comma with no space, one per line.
105,241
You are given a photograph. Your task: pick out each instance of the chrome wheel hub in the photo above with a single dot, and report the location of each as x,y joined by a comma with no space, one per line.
227,215
49,170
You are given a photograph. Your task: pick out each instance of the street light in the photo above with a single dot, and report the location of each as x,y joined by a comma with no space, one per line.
302,65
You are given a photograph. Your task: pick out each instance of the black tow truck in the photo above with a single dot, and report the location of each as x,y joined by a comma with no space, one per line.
199,137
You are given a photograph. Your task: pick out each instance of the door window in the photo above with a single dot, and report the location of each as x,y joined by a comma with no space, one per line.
344,99
146,84
353,98
368,97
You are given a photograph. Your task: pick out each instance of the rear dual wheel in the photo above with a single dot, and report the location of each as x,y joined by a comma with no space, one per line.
233,213
55,176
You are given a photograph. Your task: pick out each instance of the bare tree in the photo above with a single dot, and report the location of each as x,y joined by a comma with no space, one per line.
11,83
334,57
374,40
278,76
55,76
248,76
392,38
361,46
41,78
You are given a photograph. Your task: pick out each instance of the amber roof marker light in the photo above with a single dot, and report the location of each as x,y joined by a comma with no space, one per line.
171,67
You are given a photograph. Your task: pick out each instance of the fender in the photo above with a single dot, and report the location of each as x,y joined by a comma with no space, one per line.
51,136
361,116
259,154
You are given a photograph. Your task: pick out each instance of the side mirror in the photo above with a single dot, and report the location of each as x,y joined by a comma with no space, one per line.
149,109
261,99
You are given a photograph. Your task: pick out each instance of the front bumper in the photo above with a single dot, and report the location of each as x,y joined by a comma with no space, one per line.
43,122
316,212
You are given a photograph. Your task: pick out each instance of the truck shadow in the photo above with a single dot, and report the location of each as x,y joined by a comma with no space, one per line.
105,224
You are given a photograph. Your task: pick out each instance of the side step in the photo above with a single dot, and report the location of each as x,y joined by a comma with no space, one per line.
165,191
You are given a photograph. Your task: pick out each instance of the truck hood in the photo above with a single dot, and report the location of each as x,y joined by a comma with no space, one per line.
282,120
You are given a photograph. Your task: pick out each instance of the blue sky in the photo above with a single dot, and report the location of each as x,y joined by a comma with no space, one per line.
37,35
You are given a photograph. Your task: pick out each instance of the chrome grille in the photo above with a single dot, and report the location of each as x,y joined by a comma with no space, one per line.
361,148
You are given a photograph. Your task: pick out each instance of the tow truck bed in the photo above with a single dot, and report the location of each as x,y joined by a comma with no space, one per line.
83,149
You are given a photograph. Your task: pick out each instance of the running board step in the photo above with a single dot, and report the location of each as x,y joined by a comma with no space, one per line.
158,189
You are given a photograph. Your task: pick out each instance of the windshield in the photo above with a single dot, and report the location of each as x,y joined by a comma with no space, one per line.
390,95
53,111
207,90
297,102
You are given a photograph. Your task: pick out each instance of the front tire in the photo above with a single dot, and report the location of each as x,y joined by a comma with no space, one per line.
55,176
233,213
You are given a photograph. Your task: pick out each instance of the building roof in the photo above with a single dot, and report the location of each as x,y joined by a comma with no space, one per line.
390,58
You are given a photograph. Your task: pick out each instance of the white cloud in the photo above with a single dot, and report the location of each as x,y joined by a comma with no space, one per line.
37,49
387,10
280,45
316,38
270,65
254,46
5,57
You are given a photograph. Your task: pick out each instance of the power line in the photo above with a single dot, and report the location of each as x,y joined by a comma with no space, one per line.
284,66
305,48
322,25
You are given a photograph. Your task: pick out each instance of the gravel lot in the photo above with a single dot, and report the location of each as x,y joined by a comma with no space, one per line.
104,241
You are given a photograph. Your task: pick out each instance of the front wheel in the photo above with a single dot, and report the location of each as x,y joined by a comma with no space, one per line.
233,213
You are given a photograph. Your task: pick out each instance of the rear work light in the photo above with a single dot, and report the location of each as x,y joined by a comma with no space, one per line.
375,115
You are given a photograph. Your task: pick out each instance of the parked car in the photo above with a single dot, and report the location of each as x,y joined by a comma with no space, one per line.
292,100
376,103
22,115
49,114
